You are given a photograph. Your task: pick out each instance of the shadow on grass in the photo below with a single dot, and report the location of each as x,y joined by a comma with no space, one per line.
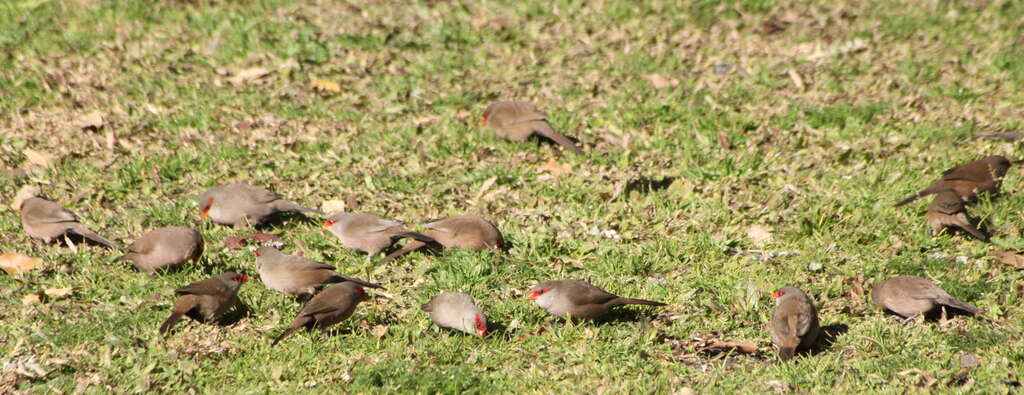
828,337
646,184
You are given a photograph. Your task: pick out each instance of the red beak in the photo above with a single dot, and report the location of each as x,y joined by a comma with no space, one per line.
482,333
328,223
777,294
533,295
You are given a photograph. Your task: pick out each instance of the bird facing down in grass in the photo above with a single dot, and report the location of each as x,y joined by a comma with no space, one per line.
46,220
948,211
517,121
968,180
794,324
164,247
457,310
578,299
329,307
205,300
910,296
240,204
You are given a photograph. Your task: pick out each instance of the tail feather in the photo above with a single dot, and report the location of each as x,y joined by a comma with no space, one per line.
550,133
910,198
173,319
367,284
285,205
416,236
412,246
966,226
300,322
959,304
81,230
645,302
284,335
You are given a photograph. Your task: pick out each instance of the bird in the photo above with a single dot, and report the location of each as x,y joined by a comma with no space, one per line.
240,204
968,180
457,310
518,120
329,307
947,210
578,299
163,247
468,232
369,233
794,323
206,300
297,275
45,220
910,296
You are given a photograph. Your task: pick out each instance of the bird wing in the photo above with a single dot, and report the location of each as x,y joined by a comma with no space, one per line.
54,213
210,286
976,171
581,293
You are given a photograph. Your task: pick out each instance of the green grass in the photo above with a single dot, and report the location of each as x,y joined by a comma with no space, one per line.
820,165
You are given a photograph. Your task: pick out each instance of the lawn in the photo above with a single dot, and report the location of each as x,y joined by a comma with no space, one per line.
754,125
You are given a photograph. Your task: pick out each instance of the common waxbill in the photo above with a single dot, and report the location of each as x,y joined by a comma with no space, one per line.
967,180
297,275
206,300
239,204
457,310
517,121
578,299
46,220
794,324
369,233
163,247
910,296
461,231
947,210
327,308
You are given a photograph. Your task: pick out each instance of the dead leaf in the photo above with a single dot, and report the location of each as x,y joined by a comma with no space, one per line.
746,347
1008,258
58,292
248,75
760,234
325,86
659,81
724,141
554,167
857,290
485,186
14,263
39,158
333,206
25,192
968,360
93,120
30,299
378,331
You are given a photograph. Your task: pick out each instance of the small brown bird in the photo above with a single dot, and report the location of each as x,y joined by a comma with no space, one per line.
239,204
327,308
517,121
968,180
578,299
461,231
794,323
457,310
163,247
910,296
206,300
369,233
947,210
46,220
296,275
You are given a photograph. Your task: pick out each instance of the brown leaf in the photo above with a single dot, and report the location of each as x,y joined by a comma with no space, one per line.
554,167
857,290
30,299
1009,258
93,120
724,141
659,81
379,331
14,263
234,242
760,234
325,86
333,206
58,292
39,158
745,347
245,76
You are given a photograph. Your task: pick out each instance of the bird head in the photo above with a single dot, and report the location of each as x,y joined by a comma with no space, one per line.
240,278
206,208
778,294
480,324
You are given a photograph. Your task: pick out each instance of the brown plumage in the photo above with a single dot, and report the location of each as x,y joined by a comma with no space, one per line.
461,231
369,233
327,308
968,180
910,296
578,299
517,121
947,210
46,220
205,300
163,247
794,323
240,204
296,275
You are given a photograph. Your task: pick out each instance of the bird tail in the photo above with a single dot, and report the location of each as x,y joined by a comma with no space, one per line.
412,246
413,235
367,284
645,302
81,230
911,198
173,319
959,304
285,205
545,129
284,335
969,228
